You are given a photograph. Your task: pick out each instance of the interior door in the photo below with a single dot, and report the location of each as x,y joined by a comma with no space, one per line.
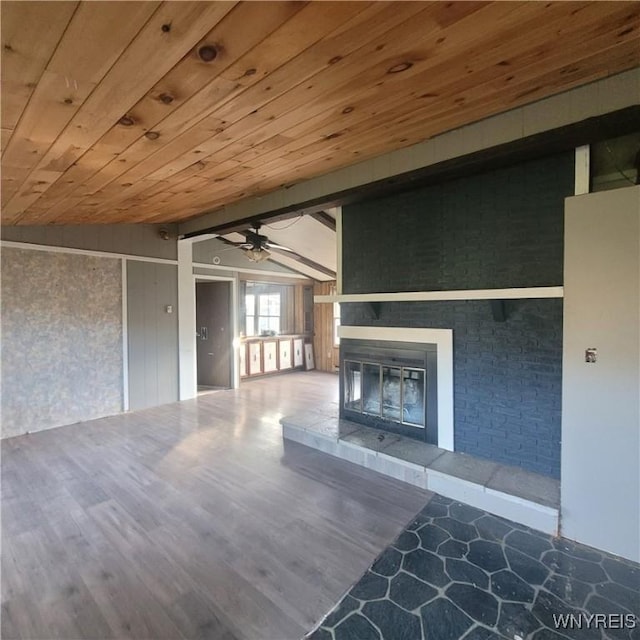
214,334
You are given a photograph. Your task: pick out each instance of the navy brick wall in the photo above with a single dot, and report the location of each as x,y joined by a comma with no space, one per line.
500,229
507,375
504,228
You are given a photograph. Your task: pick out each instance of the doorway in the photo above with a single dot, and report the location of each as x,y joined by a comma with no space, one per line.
214,335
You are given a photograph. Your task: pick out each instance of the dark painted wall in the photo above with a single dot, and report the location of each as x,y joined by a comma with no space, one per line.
507,375
496,230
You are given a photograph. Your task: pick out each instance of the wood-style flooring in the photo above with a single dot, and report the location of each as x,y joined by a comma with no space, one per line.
190,520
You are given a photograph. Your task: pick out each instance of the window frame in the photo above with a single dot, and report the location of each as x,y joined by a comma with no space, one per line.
265,309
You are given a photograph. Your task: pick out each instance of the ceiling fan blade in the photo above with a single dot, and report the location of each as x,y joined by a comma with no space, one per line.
227,249
273,245
238,244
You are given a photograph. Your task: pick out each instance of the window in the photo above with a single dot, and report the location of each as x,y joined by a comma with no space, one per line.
269,312
262,313
268,309
336,324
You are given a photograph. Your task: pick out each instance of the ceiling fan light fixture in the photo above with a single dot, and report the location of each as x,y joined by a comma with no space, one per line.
257,254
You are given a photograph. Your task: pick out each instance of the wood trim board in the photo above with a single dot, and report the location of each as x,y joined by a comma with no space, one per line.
463,294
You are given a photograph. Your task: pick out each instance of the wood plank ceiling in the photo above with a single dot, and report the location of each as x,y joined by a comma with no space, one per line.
159,111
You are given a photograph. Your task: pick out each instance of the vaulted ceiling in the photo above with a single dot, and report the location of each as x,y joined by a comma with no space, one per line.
118,112
310,242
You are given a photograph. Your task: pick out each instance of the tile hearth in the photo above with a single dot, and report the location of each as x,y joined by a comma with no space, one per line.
509,492
459,573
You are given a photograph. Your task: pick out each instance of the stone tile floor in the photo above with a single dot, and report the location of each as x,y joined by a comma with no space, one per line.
457,572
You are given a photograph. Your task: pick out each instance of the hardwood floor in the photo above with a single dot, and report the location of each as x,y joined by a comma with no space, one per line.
190,520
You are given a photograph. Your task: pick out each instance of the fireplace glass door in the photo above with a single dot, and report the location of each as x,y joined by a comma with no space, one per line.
391,403
352,384
371,389
413,385
393,393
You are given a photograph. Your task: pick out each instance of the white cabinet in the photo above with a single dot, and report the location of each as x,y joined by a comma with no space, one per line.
255,360
298,352
259,356
270,355
285,354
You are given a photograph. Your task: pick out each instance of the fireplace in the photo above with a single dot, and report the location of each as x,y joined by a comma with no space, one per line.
390,386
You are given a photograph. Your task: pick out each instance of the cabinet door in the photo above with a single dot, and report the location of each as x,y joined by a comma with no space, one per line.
255,363
242,360
298,352
285,354
270,352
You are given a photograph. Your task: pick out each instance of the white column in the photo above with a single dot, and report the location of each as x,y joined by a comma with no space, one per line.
582,170
187,321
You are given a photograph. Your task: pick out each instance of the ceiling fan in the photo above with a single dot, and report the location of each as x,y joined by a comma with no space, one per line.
257,246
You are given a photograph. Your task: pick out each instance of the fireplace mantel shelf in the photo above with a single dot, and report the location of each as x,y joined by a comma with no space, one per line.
462,294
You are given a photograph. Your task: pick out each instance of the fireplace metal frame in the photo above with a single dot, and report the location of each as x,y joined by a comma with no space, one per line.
403,355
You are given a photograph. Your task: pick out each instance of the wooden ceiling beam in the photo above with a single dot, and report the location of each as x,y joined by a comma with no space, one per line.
316,266
324,218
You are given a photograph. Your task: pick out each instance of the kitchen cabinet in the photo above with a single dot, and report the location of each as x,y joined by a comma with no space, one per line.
255,358
284,356
262,355
269,356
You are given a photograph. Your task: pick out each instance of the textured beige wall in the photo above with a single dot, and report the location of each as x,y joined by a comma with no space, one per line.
61,339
